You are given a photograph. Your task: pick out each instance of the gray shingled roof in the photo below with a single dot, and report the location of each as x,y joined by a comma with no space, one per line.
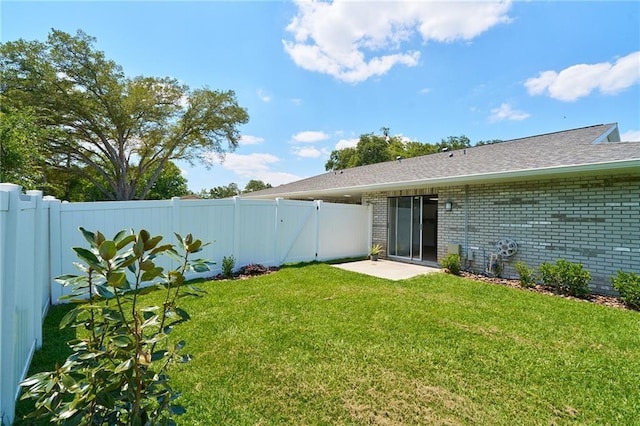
582,150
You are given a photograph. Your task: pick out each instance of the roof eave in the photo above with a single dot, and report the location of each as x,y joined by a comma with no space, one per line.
544,172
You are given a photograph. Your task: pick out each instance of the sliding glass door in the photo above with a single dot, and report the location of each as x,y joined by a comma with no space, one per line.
413,227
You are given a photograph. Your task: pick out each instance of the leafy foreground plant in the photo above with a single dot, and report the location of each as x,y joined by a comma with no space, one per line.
116,375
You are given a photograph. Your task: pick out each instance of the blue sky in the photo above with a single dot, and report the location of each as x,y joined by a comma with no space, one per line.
314,76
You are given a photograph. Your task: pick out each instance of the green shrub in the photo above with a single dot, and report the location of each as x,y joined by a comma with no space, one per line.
452,263
566,277
117,373
228,265
628,285
526,274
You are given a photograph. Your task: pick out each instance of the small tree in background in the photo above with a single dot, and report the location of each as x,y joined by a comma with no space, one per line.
117,373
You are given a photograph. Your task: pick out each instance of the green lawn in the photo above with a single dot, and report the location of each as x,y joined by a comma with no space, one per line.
319,345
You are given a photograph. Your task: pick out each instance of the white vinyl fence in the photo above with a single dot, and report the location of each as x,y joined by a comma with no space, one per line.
37,236
24,286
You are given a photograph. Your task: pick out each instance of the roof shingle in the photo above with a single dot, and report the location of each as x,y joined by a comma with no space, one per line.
552,152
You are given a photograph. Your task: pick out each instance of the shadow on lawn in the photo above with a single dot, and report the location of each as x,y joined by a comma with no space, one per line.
54,351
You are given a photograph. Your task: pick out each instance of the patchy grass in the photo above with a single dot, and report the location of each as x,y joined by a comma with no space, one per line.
319,345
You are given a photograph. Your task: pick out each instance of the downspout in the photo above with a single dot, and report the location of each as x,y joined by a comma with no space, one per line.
466,223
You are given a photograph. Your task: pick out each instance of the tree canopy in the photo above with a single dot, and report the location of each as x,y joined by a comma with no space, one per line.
372,148
117,132
20,154
231,190
255,185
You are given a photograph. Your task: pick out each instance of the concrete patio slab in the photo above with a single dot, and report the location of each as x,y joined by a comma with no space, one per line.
387,269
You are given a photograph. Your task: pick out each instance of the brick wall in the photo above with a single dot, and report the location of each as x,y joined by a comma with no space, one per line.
379,202
593,220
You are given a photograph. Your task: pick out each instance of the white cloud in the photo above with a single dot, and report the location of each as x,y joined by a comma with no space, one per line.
424,91
296,101
250,140
264,97
505,112
309,137
257,166
580,80
630,136
347,143
309,152
355,40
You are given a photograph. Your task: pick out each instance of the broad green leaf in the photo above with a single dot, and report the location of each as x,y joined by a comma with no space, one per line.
158,355
151,243
117,279
151,322
160,249
66,414
68,381
112,315
183,314
138,248
124,241
88,257
122,341
144,235
147,265
108,250
195,246
120,236
89,236
177,410
201,267
89,355
178,237
69,318
36,378
124,366
79,266
99,238
126,262
152,274
105,292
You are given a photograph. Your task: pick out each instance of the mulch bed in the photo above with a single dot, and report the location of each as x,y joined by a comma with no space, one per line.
247,272
599,299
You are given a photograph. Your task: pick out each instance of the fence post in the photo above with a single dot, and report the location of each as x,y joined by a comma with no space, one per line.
55,249
318,204
276,239
236,228
40,266
8,373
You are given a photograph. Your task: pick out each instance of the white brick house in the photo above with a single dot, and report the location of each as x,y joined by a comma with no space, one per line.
573,194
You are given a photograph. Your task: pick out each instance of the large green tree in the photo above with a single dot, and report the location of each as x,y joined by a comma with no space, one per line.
117,132
372,148
223,191
255,185
20,154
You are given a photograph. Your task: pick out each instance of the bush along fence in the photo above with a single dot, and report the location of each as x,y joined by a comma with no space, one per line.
37,235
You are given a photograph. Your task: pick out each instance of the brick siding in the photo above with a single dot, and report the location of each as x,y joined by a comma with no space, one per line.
593,220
